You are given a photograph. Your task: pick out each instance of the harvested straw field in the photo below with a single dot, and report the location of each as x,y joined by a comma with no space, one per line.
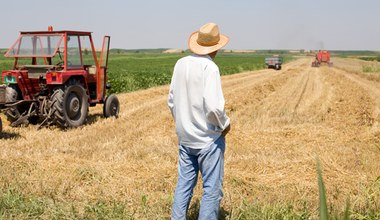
282,121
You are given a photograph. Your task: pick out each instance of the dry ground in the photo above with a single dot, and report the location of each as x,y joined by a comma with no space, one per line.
281,122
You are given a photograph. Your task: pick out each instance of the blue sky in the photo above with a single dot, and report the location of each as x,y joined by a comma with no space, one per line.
251,24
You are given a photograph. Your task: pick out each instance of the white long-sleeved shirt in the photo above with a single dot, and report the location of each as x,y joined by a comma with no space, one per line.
196,101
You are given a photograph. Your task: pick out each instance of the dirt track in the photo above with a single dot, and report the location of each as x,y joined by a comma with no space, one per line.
281,122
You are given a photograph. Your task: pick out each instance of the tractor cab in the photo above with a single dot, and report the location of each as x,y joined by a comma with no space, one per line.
46,62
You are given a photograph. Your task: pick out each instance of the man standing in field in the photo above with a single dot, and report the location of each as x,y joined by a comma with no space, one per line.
197,104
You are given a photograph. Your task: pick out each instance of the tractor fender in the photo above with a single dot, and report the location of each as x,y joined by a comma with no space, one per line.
81,79
68,79
77,78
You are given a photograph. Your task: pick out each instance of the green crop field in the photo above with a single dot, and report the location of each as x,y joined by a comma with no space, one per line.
135,71
141,69
363,55
132,72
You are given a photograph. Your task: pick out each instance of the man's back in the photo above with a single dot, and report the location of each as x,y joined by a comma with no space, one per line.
197,104
193,78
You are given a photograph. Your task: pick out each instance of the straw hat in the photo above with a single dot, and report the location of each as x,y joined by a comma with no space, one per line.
207,39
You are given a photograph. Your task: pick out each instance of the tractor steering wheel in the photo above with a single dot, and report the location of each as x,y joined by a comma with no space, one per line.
59,54
60,63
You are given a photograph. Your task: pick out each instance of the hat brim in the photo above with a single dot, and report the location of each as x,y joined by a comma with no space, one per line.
203,50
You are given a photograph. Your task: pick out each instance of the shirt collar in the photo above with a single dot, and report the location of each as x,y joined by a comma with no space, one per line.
205,56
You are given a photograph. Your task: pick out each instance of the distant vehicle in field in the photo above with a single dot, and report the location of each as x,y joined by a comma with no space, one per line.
56,76
274,62
322,57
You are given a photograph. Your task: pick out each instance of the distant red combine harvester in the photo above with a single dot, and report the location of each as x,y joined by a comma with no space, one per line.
322,57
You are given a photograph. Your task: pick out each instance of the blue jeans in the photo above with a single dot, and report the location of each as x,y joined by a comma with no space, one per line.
210,162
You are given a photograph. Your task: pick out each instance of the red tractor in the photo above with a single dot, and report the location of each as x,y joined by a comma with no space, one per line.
322,57
56,76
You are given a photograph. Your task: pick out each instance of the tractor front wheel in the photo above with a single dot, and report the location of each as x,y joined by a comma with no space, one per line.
70,106
111,106
12,95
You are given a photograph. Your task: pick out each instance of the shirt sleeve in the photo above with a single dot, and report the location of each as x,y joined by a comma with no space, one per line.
214,101
171,101
171,95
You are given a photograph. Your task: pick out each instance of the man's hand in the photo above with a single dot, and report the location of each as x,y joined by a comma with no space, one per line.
226,130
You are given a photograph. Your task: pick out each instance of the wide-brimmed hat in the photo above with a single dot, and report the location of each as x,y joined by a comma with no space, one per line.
207,39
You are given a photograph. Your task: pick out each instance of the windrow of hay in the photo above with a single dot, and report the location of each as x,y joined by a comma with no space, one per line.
281,122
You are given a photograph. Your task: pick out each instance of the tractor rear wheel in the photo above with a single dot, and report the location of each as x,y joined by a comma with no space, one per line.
111,106
70,106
